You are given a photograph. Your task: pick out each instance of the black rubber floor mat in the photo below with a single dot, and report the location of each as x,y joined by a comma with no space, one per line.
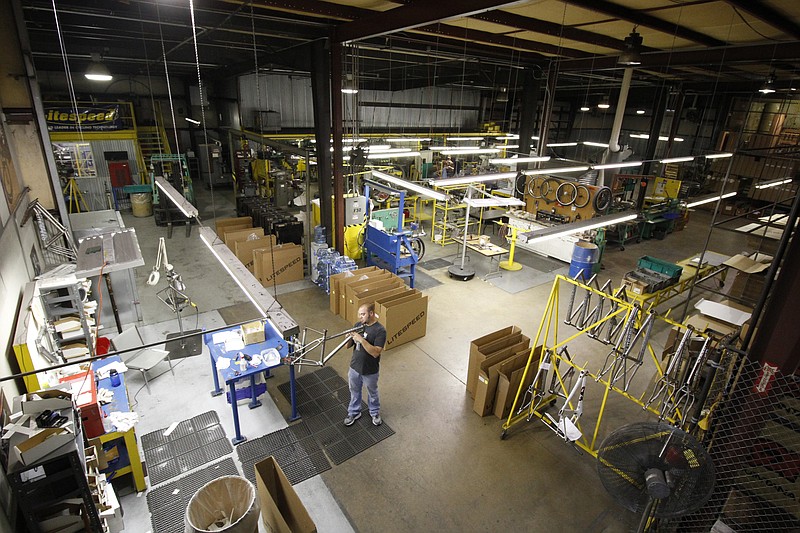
324,407
168,503
433,264
193,443
298,453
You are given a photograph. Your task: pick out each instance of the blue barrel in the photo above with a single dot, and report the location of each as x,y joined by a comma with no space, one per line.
584,257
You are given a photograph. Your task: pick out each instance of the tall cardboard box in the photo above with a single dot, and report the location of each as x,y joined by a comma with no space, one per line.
367,295
405,317
360,293
477,353
227,224
281,508
509,379
244,249
361,279
280,264
751,275
487,375
335,283
231,236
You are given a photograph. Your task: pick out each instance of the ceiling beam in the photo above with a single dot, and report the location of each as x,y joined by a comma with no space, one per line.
501,40
643,19
550,28
707,56
413,15
769,15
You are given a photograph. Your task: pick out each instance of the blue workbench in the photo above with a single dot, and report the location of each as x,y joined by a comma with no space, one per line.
234,374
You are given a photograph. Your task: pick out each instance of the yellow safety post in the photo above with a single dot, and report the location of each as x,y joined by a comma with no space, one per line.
510,264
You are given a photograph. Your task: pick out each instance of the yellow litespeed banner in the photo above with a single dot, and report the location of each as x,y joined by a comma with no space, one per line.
94,118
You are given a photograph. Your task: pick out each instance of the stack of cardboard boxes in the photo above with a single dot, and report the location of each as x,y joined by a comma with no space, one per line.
401,310
269,262
497,362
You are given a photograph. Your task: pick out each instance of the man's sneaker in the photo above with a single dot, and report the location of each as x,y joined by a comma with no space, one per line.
376,420
351,419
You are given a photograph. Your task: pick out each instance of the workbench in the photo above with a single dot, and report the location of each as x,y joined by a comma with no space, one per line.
490,250
132,464
234,373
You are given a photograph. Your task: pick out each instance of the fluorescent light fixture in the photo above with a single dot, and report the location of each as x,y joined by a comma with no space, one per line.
176,198
677,159
640,111
192,121
598,145
430,193
462,180
437,148
773,183
506,146
353,141
407,139
385,148
557,145
719,156
563,230
510,136
493,201
618,165
710,198
471,151
555,170
603,105
349,91
252,288
391,155
464,139
512,160
660,138
585,108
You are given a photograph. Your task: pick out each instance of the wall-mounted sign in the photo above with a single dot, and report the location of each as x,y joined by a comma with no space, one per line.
102,117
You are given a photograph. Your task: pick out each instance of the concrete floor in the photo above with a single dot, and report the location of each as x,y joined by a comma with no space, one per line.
446,468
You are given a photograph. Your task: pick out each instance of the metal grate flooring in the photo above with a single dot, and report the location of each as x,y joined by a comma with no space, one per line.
294,448
433,264
168,502
193,443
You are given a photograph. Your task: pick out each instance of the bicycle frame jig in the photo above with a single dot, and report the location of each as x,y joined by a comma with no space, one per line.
627,329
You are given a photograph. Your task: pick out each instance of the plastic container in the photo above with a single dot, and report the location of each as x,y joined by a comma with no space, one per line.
142,204
227,504
659,265
584,259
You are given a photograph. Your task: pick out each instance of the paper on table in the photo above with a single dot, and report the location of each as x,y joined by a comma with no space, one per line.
223,363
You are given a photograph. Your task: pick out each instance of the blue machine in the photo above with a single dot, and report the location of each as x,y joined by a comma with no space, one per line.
391,251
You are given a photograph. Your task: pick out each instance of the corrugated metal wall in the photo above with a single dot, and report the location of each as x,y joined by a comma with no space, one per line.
290,95
99,147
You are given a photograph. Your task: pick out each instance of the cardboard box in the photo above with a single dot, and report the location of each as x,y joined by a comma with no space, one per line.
244,249
477,353
253,332
487,375
334,284
233,235
509,379
751,275
226,224
287,260
30,449
281,507
371,296
405,317
345,282
361,292
53,399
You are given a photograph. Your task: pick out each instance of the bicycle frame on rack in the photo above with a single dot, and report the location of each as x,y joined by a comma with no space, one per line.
297,356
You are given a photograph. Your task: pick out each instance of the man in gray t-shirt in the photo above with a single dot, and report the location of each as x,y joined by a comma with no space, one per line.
364,365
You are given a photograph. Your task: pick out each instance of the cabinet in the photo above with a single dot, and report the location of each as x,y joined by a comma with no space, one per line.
449,216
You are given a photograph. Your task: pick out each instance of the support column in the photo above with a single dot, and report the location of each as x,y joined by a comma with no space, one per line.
320,93
336,120
529,102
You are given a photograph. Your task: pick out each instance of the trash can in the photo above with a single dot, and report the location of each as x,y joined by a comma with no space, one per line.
584,258
142,204
228,503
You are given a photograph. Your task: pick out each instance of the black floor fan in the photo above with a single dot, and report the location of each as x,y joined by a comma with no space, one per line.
655,470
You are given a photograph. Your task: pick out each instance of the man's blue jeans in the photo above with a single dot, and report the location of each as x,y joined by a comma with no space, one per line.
356,382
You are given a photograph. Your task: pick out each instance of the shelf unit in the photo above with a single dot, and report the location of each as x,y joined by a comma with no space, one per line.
42,488
64,301
449,216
